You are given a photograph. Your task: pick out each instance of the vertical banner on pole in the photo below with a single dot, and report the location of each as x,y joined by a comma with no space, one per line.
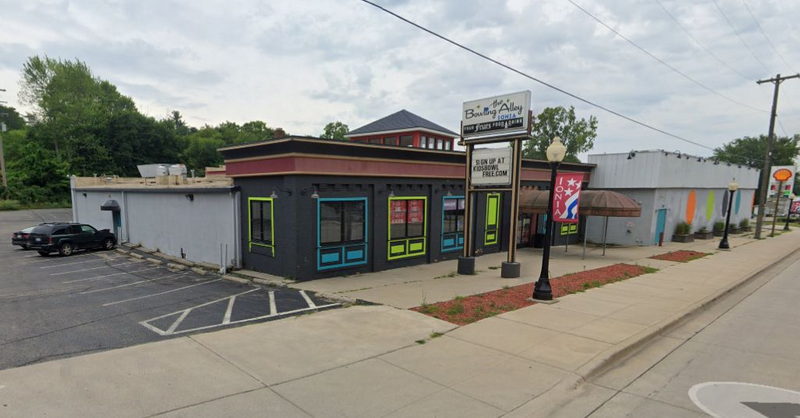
566,197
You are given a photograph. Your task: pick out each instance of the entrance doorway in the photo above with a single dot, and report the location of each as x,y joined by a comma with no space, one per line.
661,222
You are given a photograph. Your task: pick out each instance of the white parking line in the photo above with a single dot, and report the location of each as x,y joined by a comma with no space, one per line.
272,309
110,275
186,311
310,302
169,276
76,262
160,293
95,268
229,310
183,331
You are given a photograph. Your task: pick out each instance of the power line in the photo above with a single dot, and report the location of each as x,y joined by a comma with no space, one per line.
662,62
698,43
738,35
530,77
765,35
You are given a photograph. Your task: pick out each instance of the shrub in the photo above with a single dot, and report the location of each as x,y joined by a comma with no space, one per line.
719,226
9,205
683,228
703,230
744,223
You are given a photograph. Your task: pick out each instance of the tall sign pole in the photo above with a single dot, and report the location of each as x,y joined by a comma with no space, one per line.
498,119
3,161
762,200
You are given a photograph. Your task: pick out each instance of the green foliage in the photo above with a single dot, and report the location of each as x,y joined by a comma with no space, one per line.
744,223
750,151
10,205
719,226
577,135
11,118
455,309
683,228
335,130
81,125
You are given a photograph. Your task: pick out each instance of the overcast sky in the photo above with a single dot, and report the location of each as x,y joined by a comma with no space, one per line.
300,64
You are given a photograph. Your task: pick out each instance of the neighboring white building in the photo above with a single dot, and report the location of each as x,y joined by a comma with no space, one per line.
671,188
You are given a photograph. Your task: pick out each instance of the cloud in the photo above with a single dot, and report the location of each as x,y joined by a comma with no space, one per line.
299,65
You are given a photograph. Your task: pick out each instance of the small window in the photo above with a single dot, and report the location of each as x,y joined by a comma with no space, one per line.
376,141
60,231
87,228
74,229
439,143
390,140
453,215
406,141
261,222
448,145
423,141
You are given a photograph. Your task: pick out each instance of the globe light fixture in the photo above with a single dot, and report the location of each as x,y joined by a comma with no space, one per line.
555,154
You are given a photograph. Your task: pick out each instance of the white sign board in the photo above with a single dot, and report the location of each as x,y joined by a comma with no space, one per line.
505,115
491,167
788,185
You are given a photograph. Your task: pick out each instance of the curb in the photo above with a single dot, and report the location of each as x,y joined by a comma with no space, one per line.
560,392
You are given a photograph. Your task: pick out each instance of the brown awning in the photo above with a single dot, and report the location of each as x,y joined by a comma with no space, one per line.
592,203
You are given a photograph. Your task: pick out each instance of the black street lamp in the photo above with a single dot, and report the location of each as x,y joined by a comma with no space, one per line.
732,187
789,212
555,154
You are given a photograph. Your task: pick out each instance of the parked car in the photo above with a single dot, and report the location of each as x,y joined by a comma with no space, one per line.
21,237
66,238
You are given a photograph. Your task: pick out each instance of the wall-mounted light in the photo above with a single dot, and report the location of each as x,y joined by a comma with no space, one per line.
274,195
315,195
84,194
449,193
190,197
391,193
631,155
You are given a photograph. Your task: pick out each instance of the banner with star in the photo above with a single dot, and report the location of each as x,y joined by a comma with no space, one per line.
565,197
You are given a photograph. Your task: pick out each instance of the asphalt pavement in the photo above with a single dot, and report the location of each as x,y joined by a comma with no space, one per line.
53,307
745,347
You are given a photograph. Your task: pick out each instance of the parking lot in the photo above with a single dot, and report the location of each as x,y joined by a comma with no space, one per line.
54,306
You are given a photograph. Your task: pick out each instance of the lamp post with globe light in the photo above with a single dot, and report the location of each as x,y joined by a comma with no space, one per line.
732,187
555,154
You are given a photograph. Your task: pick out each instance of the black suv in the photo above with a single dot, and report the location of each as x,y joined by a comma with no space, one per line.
66,238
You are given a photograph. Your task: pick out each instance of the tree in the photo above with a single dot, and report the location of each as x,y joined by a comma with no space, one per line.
577,135
11,117
750,150
335,130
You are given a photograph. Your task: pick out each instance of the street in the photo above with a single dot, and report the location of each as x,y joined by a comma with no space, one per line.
750,336
55,307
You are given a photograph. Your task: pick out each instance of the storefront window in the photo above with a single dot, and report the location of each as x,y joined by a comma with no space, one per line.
341,222
406,141
407,227
260,217
341,232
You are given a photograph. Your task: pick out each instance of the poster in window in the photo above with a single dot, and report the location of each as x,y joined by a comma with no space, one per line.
398,212
451,204
461,203
415,211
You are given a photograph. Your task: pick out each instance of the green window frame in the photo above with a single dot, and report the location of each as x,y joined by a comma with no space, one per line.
260,228
411,242
491,233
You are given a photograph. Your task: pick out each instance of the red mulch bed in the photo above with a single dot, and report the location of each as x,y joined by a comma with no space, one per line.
682,255
464,310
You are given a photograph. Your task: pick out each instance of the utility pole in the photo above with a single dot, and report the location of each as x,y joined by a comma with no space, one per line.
762,201
2,157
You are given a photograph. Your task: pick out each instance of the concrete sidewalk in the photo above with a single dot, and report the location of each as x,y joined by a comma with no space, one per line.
429,283
369,361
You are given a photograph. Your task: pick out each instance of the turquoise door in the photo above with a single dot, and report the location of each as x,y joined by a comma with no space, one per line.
661,223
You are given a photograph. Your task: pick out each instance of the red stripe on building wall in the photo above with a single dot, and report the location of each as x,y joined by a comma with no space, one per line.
348,167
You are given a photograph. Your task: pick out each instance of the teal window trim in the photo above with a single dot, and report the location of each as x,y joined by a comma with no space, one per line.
250,242
341,250
457,237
